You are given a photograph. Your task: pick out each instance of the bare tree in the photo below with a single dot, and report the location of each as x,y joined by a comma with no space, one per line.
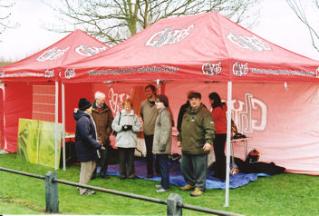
302,9
115,20
5,14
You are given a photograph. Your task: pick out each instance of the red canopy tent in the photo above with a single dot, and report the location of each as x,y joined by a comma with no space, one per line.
44,65
210,48
39,75
201,47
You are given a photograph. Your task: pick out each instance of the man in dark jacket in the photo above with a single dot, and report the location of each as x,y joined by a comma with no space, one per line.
197,134
103,118
86,144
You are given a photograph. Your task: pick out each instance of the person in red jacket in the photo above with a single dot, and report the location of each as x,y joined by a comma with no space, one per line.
219,117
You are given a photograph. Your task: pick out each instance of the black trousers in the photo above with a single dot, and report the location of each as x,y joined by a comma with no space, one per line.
149,156
219,149
103,161
126,156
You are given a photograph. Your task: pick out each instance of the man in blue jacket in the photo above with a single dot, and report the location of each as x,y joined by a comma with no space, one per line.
86,144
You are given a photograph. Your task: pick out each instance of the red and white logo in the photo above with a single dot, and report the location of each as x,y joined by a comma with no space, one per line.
249,115
48,73
317,72
212,69
240,69
248,42
169,36
52,54
69,73
89,51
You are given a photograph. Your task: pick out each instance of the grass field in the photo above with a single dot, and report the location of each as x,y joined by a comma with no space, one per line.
285,194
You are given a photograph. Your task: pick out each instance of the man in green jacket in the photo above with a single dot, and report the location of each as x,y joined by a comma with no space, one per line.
196,139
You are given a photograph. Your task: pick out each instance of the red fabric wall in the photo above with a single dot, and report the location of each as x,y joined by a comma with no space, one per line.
1,119
18,104
73,92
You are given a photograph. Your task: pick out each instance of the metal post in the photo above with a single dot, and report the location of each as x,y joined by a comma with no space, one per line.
56,129
63,124
228,140
174,205
51,193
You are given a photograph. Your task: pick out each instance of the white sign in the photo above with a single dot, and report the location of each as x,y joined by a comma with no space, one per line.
168,36
248,42
89,51
244,114
52,54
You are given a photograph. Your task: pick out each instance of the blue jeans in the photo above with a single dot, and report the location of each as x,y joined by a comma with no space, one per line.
163,163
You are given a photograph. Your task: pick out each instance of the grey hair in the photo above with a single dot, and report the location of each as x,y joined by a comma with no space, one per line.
99,95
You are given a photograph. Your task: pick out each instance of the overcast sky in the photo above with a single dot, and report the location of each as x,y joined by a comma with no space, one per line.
277,23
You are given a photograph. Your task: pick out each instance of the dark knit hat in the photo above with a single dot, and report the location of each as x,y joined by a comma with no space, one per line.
163,99
84,104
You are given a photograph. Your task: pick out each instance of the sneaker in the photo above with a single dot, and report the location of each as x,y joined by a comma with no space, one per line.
161,190
88,193
158,186
197,192
187,187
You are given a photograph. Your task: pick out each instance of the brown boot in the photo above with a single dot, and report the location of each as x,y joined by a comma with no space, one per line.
197,192
187,187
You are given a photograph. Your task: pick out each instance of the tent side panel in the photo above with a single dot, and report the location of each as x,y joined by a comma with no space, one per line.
1,119
73,92
18,104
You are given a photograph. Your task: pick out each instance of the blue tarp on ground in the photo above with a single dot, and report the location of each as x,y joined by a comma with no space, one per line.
177,179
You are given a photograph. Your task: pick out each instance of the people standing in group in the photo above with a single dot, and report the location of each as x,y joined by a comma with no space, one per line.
219,110
149,113
86,143
195,139
103,118
126,124
162,141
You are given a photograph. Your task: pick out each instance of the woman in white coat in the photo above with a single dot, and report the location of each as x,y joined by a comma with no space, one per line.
126,124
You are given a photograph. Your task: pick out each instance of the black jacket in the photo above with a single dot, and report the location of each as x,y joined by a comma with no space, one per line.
85,137
181,113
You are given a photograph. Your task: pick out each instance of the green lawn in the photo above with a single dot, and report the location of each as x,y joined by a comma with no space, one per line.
285,194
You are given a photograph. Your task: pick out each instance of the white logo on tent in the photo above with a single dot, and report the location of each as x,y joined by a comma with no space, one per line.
69,73
116,99
168,36
240,69
212,69
89,51
248,42
48,73
244,114
52,54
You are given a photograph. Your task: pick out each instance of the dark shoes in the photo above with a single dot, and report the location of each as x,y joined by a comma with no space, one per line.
122,177
149,176
131,177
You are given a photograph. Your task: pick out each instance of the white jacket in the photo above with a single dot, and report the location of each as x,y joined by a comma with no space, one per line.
126,139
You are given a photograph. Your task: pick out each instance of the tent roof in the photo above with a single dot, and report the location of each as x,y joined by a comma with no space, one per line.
40,66
203,47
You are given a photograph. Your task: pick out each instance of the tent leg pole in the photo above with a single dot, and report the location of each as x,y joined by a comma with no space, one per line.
228,140
63,124
56,118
